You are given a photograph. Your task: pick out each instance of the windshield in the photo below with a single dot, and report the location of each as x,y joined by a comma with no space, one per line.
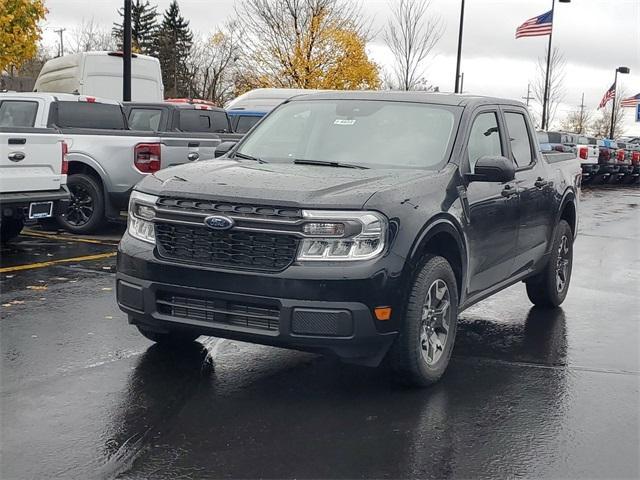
372,134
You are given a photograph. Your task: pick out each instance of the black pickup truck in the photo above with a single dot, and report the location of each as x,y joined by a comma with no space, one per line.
353,223
180,117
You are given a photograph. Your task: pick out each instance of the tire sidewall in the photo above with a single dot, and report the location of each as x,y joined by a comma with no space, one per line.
563,230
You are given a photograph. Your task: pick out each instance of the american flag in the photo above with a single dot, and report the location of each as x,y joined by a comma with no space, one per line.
631,101
536,26
611,93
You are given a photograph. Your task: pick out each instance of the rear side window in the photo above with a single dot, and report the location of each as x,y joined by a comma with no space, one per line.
245,123
203,121
484,139
15,113
89,115
145,119
519,137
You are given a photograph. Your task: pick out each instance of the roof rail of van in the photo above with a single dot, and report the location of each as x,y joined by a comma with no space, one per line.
121,54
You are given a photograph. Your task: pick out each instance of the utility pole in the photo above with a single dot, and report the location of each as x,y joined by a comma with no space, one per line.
462,82
458,88
581,126
528,97
126,57
61,47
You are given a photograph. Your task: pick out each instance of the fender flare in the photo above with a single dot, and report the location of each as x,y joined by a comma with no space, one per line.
448,224
568,196
78,157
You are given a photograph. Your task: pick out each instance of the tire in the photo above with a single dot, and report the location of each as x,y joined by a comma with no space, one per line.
86,208
173,339
409,356
549,288
10,228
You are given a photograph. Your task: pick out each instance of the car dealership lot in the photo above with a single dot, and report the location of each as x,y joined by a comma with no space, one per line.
530,392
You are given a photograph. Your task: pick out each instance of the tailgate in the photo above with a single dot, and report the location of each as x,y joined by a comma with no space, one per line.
179,148
30,160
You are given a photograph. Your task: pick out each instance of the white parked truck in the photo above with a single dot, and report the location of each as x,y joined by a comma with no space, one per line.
33,168
106,159
100,74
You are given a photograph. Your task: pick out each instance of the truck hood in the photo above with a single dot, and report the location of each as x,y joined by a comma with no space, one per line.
276,183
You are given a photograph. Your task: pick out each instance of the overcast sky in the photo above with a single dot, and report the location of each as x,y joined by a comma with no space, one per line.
595,36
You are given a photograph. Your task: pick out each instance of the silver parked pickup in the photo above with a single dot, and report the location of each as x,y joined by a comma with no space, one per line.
106,158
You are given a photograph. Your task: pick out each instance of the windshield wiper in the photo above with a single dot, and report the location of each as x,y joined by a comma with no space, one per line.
299,161
244,156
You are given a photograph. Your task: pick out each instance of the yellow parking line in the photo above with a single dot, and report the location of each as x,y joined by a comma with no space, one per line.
31,233
30,266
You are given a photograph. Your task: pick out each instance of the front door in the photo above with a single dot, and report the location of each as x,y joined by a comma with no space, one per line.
493,210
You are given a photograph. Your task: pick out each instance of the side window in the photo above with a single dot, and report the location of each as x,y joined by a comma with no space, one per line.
484,138
519,137
18,113
195,121
220,122
245,123
144,119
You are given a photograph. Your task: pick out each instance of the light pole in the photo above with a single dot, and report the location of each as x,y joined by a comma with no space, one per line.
457,84
126,57
615,97
545,98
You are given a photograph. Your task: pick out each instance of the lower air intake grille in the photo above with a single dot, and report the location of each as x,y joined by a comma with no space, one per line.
261,317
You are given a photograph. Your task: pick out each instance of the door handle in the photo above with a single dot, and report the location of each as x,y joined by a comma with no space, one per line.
193,156
541,183
509,190
16,156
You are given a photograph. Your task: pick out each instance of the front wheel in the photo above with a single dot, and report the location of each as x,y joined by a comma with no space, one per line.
550,287
421,352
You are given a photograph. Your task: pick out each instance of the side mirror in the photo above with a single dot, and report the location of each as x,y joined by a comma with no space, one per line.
493,169
223,148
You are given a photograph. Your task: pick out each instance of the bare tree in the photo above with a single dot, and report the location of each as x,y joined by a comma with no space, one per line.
556,82
292,43
578,120
89,36
211,64
411,35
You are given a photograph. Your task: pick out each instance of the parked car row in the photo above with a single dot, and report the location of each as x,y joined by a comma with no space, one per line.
602,160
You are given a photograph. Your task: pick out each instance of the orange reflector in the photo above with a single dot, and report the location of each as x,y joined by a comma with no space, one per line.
383,313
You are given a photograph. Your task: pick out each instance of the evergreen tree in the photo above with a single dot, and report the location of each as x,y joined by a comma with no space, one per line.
174,42
144,27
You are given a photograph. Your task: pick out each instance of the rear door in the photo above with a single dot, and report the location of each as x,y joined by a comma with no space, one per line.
536,209
493,208
30,158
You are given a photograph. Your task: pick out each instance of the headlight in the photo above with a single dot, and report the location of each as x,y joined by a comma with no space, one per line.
342,236
141,214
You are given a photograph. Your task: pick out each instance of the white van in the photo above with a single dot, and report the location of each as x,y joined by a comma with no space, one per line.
99,74
265,99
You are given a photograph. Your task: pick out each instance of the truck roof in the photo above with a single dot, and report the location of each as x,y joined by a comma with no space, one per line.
453,99
61,97
184,106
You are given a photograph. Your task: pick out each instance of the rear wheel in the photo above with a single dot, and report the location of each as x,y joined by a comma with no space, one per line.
10,228
85,213
550,287
169,338
421,352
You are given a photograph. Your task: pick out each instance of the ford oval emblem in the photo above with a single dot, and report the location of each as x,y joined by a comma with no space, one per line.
219,222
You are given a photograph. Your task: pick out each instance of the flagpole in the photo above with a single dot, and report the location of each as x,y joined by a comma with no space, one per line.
545,98
613,105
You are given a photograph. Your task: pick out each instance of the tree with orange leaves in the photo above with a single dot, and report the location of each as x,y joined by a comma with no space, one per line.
19,31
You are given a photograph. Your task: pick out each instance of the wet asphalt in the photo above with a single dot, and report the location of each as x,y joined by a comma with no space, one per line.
529,393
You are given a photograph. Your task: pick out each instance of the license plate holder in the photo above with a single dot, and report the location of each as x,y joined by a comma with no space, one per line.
40,210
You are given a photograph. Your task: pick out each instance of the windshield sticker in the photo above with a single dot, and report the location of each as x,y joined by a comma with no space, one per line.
340,121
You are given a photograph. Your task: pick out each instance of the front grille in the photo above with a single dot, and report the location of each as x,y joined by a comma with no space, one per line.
243,250
225,208
257,316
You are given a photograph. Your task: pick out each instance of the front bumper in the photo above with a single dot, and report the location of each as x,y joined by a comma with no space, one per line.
16,204
314,308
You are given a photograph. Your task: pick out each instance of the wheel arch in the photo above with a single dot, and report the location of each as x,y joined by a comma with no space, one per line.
441,236
568,211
